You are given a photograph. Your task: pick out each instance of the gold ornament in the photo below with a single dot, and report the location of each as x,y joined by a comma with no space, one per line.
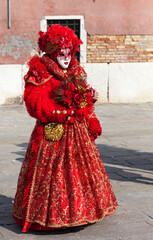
58,111
83,104
81,88
53,131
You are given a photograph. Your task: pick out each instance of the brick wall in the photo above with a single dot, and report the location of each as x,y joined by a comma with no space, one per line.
122,48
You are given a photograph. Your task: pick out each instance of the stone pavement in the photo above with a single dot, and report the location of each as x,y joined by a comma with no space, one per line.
126,148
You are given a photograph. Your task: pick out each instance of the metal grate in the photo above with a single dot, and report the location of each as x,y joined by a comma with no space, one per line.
74,24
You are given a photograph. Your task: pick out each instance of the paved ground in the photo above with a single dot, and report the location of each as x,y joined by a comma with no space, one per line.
126,148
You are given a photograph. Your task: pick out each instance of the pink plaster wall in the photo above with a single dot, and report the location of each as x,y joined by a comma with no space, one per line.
17,42
109,17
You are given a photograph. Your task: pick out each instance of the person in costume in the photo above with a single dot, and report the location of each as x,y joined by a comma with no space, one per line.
62,182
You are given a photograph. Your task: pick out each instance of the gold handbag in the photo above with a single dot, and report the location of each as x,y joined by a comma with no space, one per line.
53,131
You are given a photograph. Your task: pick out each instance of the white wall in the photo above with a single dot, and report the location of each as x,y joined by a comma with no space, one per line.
10,82
131,82
115,82
98,78
122,82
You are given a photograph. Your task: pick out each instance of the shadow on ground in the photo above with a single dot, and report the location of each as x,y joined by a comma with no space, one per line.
127,165
22,152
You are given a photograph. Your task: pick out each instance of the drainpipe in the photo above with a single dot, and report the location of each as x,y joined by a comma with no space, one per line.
9,13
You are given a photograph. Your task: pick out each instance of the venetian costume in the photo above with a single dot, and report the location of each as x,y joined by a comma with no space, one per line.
62,182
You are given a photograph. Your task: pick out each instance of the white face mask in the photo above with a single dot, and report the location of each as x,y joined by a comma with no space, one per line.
64,57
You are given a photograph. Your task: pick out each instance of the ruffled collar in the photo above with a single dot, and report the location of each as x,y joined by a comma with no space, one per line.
74,69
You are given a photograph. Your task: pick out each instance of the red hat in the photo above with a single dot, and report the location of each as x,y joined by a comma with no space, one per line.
58,37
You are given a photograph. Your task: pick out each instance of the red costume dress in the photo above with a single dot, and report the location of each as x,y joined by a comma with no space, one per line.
62,182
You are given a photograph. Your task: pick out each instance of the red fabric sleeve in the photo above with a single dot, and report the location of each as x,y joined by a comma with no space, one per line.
41,105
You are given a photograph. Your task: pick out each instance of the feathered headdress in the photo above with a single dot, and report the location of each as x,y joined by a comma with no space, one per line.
58,37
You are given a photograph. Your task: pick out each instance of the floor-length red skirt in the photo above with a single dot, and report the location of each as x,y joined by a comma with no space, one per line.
63,183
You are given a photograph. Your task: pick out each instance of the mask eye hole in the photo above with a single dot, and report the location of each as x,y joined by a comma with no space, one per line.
61,54
69,54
